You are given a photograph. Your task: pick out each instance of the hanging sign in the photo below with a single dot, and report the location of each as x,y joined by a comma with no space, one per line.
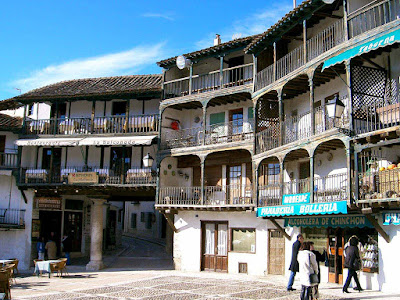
296,198
329,221
338,207
48,203
83,177
391,218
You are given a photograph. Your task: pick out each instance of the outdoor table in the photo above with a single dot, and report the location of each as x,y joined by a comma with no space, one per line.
2,296
44,265
5,261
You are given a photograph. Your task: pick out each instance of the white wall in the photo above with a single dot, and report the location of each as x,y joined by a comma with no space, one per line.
174,180
187,241
140,230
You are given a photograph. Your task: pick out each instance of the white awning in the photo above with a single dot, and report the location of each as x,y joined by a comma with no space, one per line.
48,142
118,141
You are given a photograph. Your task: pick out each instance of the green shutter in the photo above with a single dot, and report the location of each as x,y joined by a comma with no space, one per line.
217,118
251,111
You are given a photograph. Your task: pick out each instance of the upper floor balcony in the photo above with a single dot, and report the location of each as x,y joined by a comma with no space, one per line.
8,160
212,81
134,124
12,218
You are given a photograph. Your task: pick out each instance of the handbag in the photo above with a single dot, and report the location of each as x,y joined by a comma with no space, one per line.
313,277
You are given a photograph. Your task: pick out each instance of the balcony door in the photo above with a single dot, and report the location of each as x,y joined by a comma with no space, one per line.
120,162
304,173
214,246
235,182
53,164
236,75
236,124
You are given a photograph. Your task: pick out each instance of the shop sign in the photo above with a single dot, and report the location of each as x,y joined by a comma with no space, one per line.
338,207
296,198
329,221
48,203
391,218
83,177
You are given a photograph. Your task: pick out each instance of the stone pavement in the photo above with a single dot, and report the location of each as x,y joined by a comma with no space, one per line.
166,284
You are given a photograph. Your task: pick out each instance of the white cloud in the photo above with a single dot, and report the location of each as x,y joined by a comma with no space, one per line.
253,24
121,63
166,16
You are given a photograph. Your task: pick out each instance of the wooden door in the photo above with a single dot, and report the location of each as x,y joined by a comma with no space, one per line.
276,250
214,246
304,173
73,228
335,255
235,124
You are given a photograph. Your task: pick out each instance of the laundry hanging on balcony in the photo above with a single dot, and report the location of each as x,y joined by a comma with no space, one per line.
118,141
378,42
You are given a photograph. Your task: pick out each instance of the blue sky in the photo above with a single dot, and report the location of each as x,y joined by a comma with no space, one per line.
49,41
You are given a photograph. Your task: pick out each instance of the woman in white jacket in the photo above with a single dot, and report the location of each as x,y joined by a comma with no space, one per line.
307,265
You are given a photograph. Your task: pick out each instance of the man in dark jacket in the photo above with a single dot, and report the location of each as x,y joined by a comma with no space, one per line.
352,262
294,265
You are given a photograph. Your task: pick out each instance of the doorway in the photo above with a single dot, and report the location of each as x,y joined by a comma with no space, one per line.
335,255
236,124
304,173
120,162
234,183
50,226
73,228
53,164
236,75
214,255
276,253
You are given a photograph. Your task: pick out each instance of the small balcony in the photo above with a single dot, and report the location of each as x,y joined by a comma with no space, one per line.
214,196
379,185
234,131
8,160
87,176
12,218
212,81
139,124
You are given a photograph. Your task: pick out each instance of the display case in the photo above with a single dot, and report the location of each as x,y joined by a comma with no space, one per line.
370,256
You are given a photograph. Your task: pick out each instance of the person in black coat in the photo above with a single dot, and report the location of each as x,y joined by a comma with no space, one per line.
294,264
353,263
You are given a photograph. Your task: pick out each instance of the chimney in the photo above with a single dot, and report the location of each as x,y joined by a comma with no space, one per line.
217,40
294,4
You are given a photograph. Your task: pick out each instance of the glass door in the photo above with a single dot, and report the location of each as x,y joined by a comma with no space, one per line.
214,246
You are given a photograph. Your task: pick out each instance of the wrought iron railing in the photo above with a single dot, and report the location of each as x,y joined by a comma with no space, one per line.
269,195
13,217
99,125
297,127
234,194
378,184
179,196
330,188
290,62
296,186
99,176
373,15
230,77
182,138
269,138
264,77
8,160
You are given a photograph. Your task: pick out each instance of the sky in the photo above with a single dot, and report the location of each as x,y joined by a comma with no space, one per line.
44,42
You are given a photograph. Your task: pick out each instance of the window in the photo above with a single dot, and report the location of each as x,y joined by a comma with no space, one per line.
235,175
133,221
30,109
149,220
74,204
244,240
270,173
119,108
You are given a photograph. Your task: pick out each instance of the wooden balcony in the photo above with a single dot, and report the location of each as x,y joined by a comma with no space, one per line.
12,218
230,196
8,160
87,176
212,81
379,186
326,189
234,131
137,124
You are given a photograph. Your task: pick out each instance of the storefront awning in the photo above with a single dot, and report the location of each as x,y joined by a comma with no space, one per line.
329,221
48,142
118,141
378,42
338,207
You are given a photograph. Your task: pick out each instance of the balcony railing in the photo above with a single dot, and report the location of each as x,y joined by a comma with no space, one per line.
94,176
234,131
99,125
269,195
375,185
373,15
235,194
269,137
8,160
330,188
176,196
296,186
12,217
297,127
230,77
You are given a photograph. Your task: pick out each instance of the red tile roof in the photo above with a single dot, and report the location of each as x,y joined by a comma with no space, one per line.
9,123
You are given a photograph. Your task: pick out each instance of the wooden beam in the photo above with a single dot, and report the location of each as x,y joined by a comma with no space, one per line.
170,222
326,15
378,227
280,229
24,196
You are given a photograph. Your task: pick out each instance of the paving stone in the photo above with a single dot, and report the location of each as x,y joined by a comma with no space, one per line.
150,282
139,293
56,296
262,294
178,296
184,286
104,290
223,290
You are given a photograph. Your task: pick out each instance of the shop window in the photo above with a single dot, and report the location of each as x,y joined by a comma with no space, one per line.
74,204
243,240
133,221
317,235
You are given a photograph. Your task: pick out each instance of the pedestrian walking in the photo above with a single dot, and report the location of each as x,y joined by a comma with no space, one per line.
320,257
353,263
308,271
51,248
66,242
294,265
40,246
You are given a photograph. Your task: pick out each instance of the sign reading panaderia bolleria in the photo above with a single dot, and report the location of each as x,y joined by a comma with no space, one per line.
338,207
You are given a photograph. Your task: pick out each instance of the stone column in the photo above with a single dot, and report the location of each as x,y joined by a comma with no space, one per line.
96,236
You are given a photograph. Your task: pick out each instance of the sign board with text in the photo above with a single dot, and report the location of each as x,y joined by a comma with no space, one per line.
83,177
48,203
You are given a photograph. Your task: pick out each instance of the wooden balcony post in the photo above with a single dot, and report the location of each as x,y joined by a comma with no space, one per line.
256,183
305,41
221,71
345,21
255,60
281,178
123,164
274,69
51,165
323,108
24,121
55,119
349,188
356,177
92,116
312,178
190,78
312,115
86,157
204,123
349,95
202,165
281,117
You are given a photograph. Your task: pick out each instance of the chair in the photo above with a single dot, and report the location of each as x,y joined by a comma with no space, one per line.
10,269
58,267
15,262
5,283
65,267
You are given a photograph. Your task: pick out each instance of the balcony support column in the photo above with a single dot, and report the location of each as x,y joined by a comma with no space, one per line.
190,78
55,119
281,178
312,177
345,21
274,68
312,115
255,59
86,157
51,165
96,236
24,120
349,95
221,71
305,41
92,116
202,165
281,117
349,152
126,123
356,178
123,164
203,142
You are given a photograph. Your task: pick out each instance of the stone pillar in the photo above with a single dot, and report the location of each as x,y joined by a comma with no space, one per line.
96,236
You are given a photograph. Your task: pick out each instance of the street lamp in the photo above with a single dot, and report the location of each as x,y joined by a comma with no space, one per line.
148,161
335,108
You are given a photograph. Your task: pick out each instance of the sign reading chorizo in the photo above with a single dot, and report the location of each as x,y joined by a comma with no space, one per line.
83,177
